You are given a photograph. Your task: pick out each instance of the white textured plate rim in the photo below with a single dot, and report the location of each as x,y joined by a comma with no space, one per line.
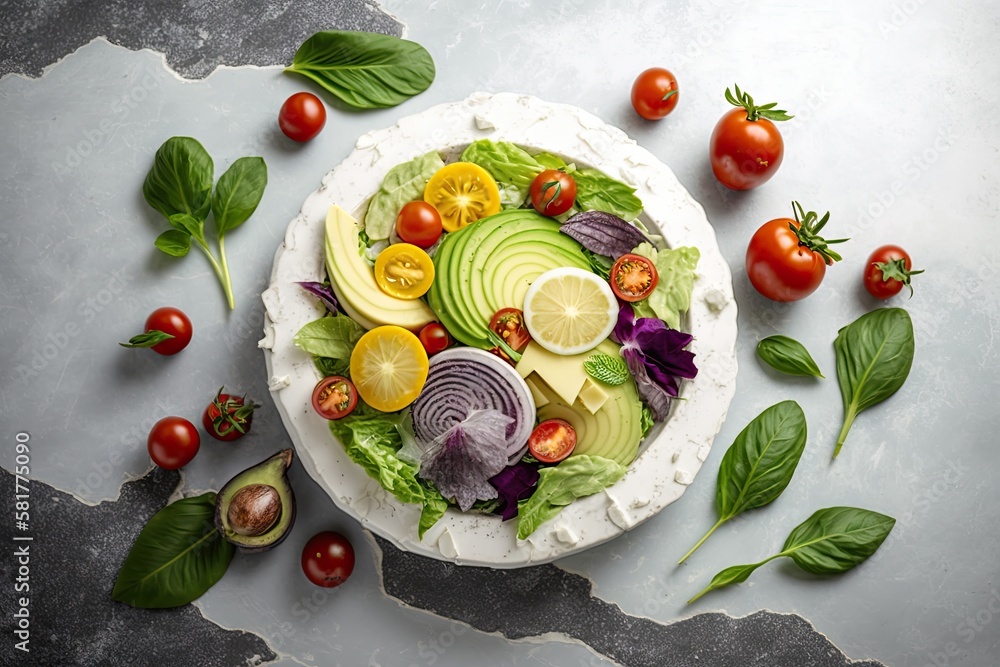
663,470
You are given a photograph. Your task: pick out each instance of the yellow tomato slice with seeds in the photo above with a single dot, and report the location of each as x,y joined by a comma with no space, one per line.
404,271
389,368
462,192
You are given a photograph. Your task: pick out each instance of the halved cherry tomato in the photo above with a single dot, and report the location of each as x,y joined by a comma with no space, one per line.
334,397
654,93
633,277
419,223
553,192
404,271
462,192
888,269
552,440
434,338
228,417
508,323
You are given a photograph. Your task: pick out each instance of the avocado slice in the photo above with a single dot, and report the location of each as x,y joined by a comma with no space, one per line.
255,510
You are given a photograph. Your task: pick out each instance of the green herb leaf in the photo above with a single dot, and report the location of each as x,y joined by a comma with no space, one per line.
787,355
148,339
328,366
599,264
332,337
558,486
180,180
607,369
648,422
874,355
364,69
188,224
672,295
404,183
238,193
596,191
759,464
177,557
173,242
755,111
831,541
499,342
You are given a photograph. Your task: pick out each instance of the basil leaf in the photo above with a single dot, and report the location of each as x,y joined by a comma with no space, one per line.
328,366
364,69
188,224
599,264
173,242
787,355
836,539
180,180
560,485
238,193
596,191
609,370
759,464
833,540
333,337
178,556
404,183
148,339
874,355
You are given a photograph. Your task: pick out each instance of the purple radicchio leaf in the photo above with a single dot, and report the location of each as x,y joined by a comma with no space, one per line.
603,233
461,460
514,483
325,294
655,356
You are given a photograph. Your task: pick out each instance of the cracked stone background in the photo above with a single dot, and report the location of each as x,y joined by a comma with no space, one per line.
894,133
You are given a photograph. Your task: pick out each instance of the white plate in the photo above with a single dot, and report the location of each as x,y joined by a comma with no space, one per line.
673,452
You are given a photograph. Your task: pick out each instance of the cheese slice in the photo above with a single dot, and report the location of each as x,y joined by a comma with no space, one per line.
564,374
593,396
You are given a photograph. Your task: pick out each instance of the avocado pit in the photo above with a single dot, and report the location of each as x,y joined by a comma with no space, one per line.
254,510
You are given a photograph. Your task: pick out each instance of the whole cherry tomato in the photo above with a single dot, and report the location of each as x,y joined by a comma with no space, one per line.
228,417
419,223
434,338
168,331
888,269
746,147
302,116
553,192
655,93
787,259
328,559
173,442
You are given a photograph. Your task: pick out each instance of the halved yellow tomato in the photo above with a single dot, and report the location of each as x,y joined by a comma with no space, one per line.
404,271
389,368
462,192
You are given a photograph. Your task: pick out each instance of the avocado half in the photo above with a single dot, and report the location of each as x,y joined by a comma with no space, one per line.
255,510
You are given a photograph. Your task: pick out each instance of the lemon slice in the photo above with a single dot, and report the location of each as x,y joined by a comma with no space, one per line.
570,310
389,368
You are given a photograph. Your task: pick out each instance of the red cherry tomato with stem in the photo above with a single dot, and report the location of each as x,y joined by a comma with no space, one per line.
655,93
302,117
434,338
746,148
888,269
552,441
334,397
553,192
173,442
168,331
228,417
419,223
328,559
787,259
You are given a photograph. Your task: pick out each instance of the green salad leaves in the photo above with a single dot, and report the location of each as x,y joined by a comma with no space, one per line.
672,295
787,355
404,183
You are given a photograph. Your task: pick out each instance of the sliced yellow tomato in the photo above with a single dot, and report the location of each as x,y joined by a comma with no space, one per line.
404,271
462,192
389,368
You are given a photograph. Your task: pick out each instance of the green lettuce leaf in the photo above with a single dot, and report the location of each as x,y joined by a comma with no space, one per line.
558,486
672,296
404,183
506,162
596,191
371,440
332,337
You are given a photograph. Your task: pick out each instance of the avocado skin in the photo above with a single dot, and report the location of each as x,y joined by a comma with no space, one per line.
273,471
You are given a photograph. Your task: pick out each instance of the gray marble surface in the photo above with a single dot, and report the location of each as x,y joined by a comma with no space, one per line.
894,133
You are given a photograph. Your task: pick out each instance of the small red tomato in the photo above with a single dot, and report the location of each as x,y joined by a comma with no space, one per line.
168,331
419,223
887,270
173,442
302,116
228,417
633,277
552,440
746,147
655,93
328,559
334,397
787,259
434,338
508,323
553,192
